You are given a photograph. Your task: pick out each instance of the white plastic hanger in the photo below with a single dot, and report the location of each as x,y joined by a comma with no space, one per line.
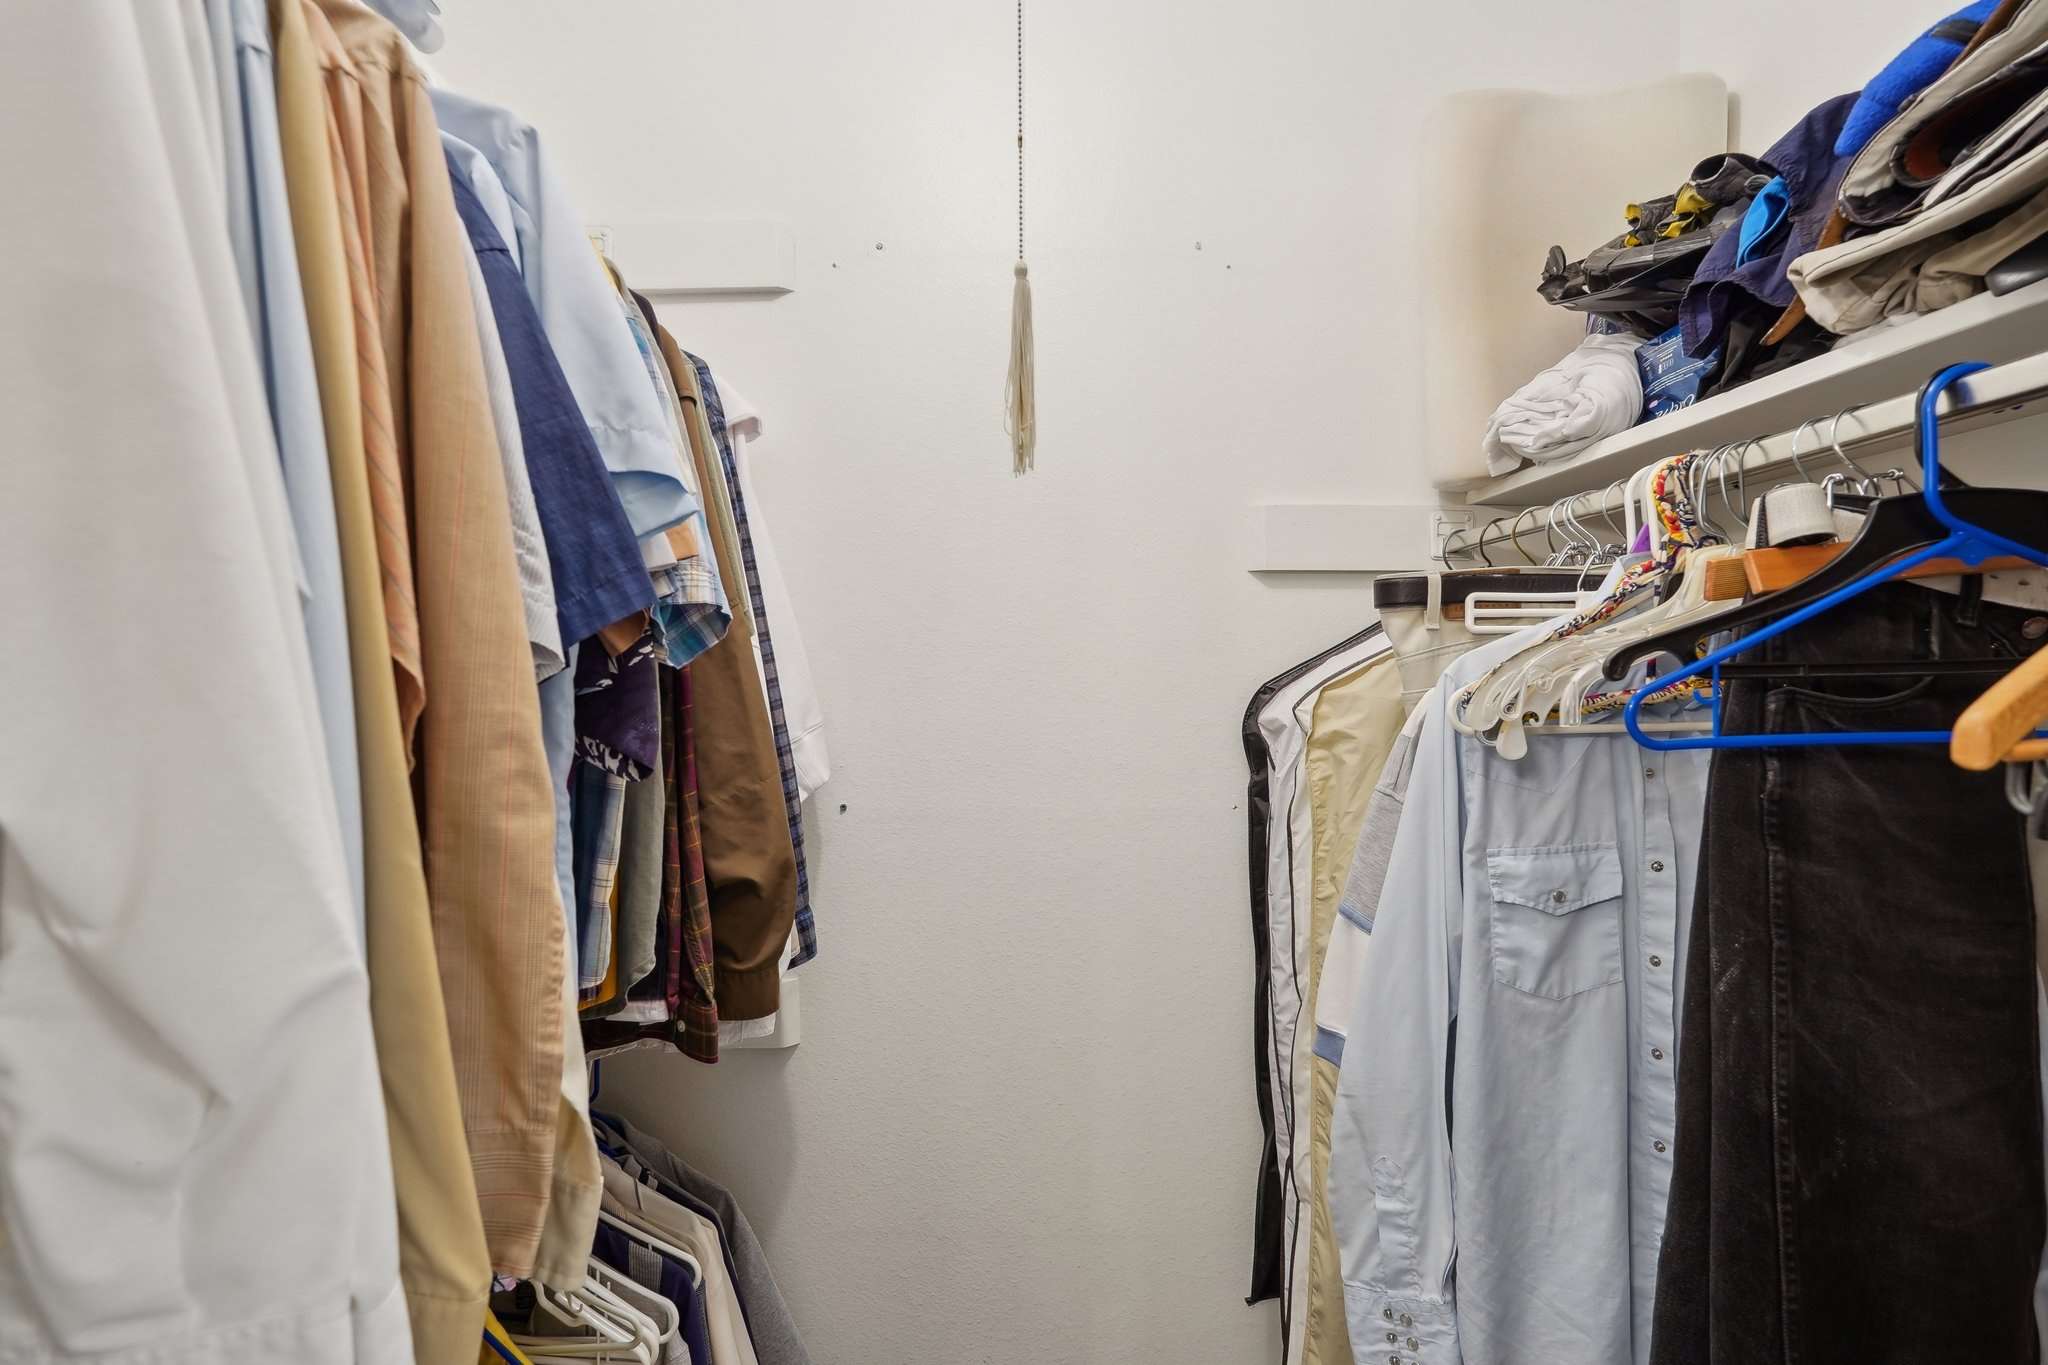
668,1321
615,1331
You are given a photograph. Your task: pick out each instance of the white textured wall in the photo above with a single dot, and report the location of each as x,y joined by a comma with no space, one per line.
1782,59
1021,1130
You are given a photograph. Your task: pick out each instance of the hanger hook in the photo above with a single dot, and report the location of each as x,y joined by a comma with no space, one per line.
1607,514
1797,463
1927,436
1738,510
1515,535
1479,545
1582,511
1835,440
1550,533
1573,526
1447,549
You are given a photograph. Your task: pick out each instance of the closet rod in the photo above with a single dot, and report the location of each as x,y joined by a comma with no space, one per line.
1988,398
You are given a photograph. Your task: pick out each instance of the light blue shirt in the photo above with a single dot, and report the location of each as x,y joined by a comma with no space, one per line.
579,310
1501,1143
266,256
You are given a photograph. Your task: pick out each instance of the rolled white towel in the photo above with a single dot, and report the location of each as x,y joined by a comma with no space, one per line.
1593,392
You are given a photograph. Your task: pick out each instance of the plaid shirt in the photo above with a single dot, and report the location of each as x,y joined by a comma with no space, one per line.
684,981
714,411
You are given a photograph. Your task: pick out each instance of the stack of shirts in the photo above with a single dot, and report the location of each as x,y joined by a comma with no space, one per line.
1902,198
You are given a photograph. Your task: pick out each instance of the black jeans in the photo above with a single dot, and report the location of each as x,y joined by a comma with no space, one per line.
1858,1172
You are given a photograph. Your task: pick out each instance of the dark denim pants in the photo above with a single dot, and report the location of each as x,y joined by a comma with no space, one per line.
1858,1164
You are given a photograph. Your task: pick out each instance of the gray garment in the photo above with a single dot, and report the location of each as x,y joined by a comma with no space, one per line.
640,859
776,1341
1522,984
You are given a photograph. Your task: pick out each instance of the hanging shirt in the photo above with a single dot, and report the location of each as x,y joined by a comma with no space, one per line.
577,308
1523,982
486,811
803,712
766,663
1352,723
443,1260
266,258
592,554
1284,729
1269,1236
193,1158
529,542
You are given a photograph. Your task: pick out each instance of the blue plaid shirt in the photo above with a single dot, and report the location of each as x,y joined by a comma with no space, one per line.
714,411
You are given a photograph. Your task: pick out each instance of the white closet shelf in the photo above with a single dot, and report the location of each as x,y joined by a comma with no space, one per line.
1878,365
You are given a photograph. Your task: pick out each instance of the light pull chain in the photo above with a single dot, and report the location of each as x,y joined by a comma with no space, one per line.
1020,394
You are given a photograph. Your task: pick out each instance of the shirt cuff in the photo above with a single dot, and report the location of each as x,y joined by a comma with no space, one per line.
1404,1331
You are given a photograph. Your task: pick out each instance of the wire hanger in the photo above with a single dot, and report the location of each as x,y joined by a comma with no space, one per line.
1901,534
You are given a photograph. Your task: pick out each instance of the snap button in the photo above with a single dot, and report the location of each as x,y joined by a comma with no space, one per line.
1387,1313
1656,865
1412,1343
1659,1145
1558,896
1656,961
1649,772
1407,1321
1658,1053
1393,1337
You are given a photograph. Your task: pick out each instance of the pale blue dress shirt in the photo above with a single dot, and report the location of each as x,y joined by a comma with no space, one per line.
1501,1144
266,256
579,311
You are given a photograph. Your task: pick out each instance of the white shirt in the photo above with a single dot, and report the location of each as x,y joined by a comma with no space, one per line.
801,709
194,1166
1522,983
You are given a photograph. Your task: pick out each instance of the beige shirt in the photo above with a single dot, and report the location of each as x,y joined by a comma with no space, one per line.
486,806
443,1261
1353,725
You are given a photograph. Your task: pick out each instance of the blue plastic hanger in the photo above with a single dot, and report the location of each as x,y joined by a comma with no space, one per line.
1966,542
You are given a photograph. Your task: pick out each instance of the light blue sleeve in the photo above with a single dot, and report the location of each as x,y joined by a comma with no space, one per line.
285,344
579,311
1390,1142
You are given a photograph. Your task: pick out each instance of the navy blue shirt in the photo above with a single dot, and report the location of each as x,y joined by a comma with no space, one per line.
595,560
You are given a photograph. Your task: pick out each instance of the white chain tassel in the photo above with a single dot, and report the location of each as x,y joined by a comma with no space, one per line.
1020,395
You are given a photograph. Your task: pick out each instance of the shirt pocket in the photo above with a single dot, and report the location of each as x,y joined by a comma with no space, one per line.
1556,919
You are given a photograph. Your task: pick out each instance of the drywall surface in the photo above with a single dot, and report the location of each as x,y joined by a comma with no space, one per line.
1020,1129
1781,59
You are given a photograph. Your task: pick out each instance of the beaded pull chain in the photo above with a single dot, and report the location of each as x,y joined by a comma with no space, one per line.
1020,394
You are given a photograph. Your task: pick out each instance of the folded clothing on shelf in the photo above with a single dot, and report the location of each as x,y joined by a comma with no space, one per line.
1593,392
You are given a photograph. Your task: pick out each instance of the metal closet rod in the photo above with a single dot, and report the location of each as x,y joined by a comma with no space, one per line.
1815,448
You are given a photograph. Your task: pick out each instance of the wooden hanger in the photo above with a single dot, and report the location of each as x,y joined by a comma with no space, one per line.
1778,568
1998,726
